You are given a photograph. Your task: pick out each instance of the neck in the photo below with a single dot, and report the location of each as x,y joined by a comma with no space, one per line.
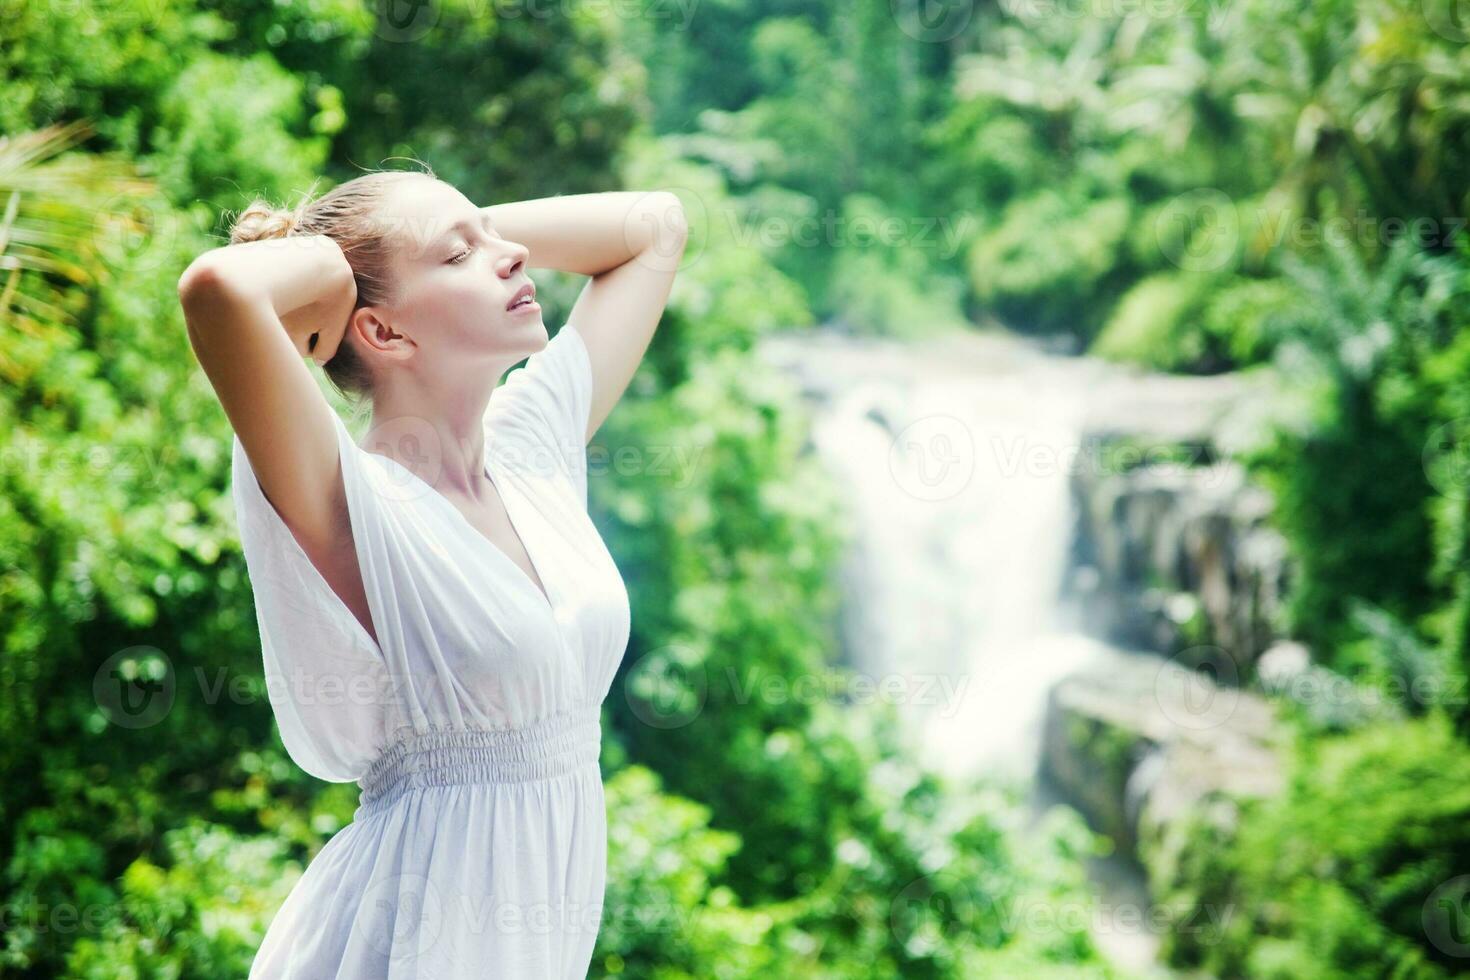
434,430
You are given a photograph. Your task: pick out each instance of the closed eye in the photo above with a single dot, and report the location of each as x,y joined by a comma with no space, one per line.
460,257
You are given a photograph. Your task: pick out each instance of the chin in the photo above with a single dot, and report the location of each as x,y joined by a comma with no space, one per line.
536,328
523,325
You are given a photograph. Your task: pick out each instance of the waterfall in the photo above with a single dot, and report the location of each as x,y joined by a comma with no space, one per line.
955,456
962,509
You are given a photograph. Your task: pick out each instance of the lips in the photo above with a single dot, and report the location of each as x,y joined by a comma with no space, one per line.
526,292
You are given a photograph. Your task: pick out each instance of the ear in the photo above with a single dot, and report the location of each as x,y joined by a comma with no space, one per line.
376,334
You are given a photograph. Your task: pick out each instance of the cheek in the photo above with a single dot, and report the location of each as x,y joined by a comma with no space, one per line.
457,311
468,290
455,297
452,302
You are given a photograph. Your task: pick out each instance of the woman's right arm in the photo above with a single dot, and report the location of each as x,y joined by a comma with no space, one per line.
251,309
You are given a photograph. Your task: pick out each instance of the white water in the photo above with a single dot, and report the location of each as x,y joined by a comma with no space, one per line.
961,497
955,455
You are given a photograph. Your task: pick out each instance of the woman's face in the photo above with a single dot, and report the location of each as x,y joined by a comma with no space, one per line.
456,280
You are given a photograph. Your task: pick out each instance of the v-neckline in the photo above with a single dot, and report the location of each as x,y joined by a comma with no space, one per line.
544,594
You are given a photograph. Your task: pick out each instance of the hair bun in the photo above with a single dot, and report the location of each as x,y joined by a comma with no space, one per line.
261,221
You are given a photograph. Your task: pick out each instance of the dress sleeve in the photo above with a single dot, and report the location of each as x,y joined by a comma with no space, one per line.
547,403
325,676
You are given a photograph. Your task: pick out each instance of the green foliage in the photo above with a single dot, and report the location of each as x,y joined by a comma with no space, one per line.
887,283
816,116
236,126
1239,317
991,906
203,914
984,158
1156,323
61,239
1042,267
662,915
1394,659
729,554
1288,126
1231,137
107,63
1337,878
1363,336
1448,393
1195,322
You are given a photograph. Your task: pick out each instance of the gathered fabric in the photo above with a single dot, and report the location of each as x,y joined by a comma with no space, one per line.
455,756
471,725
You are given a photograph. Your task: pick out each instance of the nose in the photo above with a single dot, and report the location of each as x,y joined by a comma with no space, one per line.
514,259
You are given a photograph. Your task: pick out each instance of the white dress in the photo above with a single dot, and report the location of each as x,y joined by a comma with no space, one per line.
479,845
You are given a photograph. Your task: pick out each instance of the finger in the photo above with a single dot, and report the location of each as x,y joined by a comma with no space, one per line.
327,347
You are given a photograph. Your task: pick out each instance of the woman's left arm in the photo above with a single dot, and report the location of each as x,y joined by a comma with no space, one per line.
631,244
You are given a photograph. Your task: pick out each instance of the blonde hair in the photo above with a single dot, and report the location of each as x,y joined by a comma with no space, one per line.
348,214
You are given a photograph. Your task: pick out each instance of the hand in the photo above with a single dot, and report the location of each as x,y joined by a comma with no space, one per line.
320,327
311,334
322,346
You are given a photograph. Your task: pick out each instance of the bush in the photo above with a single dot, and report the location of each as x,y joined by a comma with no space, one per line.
1362,338
201,914
1043,267
1337,878
1157,324
895,289
1240,316
1182,321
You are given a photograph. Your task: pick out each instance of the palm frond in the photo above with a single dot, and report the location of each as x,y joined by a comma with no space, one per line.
59,211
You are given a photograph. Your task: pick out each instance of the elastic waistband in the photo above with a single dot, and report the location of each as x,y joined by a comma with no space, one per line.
552,746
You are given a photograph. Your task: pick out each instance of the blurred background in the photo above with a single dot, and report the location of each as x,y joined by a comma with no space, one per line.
1044,504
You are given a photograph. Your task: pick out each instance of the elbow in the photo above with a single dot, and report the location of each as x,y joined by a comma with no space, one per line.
206,283
201,275
671,215
208,294
196,282
667,232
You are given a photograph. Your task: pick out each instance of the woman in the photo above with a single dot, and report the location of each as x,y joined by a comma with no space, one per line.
440,621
